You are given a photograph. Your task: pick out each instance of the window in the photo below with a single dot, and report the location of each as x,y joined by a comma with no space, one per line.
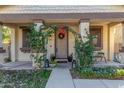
25,31
98,32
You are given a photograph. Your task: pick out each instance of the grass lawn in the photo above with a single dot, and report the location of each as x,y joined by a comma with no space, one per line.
98,73
24,78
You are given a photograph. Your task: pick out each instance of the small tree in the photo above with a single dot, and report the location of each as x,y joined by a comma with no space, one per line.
6,34
37,41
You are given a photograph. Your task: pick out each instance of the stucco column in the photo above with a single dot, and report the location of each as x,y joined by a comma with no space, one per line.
122,34
13,45
1,44
84,28
122,48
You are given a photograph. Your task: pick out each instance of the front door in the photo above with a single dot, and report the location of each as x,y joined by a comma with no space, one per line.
61,43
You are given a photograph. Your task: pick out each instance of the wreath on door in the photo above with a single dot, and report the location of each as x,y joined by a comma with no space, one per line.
61,35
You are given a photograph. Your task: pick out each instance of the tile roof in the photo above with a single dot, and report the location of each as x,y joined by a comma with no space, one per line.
27,9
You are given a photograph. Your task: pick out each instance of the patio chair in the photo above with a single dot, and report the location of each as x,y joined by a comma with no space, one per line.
99,56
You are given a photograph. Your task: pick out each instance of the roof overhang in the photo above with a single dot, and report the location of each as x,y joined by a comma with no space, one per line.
17,18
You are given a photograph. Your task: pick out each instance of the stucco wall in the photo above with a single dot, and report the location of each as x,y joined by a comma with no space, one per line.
51,43
113,30
105,38
20,55
71,40
51,46
4,55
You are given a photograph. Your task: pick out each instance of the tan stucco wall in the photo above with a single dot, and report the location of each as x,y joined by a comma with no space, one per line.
51,43
71,39
20,55
51,46
114,28
71,42
26,56
4,55
105,38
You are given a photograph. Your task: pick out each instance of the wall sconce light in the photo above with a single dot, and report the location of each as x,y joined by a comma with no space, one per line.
50,37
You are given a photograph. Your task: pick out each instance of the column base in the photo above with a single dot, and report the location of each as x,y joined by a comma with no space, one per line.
2,50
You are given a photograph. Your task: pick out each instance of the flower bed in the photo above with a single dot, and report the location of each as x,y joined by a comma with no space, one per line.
98,73
23,78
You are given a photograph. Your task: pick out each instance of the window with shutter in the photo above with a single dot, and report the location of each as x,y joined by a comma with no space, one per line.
98,32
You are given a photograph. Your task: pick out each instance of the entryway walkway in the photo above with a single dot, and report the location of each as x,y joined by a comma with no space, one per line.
60,77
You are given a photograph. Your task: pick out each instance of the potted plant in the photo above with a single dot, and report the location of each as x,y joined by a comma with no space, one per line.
53,60
70,57
52,57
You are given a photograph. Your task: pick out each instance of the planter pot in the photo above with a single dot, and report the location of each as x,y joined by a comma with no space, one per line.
69,59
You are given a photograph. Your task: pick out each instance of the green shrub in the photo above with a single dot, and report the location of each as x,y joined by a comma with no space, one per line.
97,72
23,78
7,59
120,72
84,50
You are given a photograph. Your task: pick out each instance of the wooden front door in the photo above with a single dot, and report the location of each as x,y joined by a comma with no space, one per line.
61,43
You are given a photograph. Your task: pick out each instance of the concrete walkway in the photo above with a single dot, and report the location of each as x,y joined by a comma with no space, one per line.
93,83
60,78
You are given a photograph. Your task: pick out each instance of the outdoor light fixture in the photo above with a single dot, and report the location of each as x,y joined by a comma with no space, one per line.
50,37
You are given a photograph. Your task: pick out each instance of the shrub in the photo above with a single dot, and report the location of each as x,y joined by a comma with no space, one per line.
97,72
52,57
84,50
23,78
7,59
